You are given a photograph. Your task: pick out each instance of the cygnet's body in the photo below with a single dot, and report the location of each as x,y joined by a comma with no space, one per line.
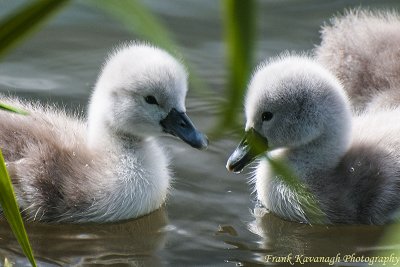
362,49
298,110
112,167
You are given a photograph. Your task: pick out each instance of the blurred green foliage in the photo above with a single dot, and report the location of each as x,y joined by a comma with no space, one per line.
239,18
138,19
18,25
307,200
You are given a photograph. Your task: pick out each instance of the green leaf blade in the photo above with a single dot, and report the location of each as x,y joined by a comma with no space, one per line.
13,109
305,198
15,27
138,19
11,211
240,37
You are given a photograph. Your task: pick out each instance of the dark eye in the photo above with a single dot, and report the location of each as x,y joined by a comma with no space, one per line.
266,116
151,100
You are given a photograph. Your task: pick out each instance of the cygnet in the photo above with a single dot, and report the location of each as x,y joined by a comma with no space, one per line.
111,166
298,114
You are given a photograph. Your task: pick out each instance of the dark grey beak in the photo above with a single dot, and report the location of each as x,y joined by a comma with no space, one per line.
252,145
179,124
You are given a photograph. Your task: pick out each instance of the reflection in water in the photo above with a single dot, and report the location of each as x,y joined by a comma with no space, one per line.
275,240
130,243
283,238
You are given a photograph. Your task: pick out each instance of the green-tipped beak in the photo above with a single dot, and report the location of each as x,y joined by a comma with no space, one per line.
252,145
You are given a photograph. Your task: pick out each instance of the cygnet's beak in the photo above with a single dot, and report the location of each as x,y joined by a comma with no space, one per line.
252,145
179,124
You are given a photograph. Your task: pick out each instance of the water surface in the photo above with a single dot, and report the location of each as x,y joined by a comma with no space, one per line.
208,219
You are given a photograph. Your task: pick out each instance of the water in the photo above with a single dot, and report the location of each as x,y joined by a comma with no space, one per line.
207,220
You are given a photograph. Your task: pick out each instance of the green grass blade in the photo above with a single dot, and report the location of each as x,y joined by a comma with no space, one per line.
306,199
138,19
11,211
18,25
239,30
13,109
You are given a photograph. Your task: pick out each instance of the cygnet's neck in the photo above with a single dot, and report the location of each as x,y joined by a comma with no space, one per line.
140,177
101,136
322,153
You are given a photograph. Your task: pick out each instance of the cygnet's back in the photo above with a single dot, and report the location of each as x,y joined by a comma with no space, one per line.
51,167
362,49
364,187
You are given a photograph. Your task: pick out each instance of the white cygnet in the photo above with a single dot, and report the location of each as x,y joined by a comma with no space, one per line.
111,167
362,49
298,113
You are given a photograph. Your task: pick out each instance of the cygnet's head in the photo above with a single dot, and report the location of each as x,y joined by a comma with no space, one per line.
291,101
141,92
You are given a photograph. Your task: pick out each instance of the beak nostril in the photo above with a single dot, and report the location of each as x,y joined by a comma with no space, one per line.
179,125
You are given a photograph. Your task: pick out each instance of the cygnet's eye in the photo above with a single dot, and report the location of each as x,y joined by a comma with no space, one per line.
267,116
151,100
